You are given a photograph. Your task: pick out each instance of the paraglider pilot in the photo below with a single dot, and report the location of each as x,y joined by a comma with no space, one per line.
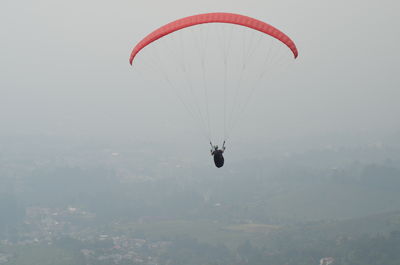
217,153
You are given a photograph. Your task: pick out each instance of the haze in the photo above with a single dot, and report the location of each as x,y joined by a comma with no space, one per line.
93,153
64,68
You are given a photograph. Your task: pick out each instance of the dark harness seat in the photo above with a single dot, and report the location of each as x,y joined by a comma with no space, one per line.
218,158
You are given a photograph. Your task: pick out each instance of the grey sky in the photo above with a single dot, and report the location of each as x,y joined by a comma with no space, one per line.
65,70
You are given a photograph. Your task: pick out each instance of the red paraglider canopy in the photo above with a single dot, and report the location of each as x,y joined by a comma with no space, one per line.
214,18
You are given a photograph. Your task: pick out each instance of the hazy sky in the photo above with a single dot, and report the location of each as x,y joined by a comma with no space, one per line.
64,68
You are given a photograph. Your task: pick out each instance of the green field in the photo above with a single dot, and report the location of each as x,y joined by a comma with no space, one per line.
43,255
210,232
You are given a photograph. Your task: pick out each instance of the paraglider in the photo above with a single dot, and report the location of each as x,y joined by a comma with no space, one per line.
233,78
217,153
214,18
